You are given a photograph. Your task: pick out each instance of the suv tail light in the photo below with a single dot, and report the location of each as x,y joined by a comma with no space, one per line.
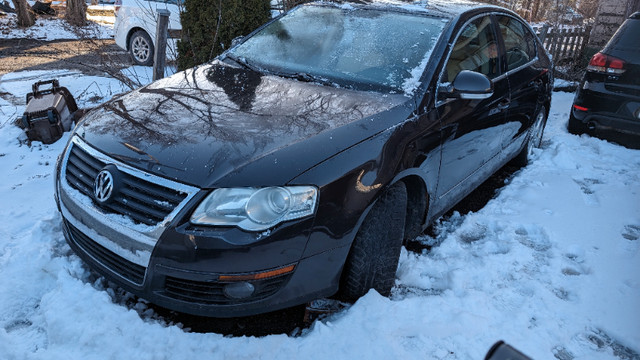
117,5
607,64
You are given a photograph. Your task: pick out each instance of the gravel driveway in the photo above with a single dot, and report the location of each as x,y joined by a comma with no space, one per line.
92,57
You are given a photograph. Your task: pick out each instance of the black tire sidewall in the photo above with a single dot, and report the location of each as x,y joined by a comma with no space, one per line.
373,260
522,159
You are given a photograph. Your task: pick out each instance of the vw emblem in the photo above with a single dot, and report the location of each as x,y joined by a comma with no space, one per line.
103,186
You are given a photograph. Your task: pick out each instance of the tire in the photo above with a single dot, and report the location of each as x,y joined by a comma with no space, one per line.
374,255
534,140
141,48
575,126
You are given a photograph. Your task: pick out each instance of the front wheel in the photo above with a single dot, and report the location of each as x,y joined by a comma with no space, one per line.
141,48
535,138
373,260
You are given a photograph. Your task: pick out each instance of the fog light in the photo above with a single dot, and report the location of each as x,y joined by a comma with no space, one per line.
239,290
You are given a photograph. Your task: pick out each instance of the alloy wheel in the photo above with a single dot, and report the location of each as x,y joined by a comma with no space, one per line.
140,49
537,130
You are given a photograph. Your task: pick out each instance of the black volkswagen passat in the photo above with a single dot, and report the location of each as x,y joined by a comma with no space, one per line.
607,103
294,166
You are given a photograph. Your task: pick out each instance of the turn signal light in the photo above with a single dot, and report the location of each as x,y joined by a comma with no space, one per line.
258,276
607,64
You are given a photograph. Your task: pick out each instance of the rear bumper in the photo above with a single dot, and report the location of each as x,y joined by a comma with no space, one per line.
609,115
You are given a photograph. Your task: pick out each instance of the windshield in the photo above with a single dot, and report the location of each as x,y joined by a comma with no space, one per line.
368,49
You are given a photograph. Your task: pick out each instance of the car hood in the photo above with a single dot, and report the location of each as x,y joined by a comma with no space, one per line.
218,125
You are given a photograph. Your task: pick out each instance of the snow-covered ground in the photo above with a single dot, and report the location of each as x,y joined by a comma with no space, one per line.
47,28
551,265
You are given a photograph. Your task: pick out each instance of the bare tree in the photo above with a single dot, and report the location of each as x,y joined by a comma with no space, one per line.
76,13
589,8
25,15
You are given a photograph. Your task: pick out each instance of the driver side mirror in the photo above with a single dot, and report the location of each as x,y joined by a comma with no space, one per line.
469,85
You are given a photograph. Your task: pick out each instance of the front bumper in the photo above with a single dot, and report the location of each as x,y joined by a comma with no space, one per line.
202,293
188,269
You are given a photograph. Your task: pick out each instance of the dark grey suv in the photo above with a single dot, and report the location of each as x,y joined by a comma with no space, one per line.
607,103
295,165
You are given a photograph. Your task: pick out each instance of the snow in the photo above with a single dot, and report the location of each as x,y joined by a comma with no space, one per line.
551,265
548,265
49,29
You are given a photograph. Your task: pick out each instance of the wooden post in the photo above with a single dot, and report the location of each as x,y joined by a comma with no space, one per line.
543,33
160,54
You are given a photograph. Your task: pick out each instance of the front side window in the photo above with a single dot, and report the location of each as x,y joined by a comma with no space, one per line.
362,48
476,49
519,42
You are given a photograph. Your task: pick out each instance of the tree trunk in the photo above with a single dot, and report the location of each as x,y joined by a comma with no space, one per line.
76,13
25,15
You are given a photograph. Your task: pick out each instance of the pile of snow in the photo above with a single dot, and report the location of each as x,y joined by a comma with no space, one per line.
50,28
551,265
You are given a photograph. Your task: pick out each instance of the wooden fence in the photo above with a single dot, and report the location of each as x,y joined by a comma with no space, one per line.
565,44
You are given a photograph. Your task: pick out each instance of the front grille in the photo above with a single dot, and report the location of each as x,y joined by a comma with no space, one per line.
143,201
211,293
115,263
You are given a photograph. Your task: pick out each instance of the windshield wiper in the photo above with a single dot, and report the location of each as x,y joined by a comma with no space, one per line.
300,76
243,62
306,77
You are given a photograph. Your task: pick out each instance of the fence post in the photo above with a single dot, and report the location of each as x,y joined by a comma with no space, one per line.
160,54
543,33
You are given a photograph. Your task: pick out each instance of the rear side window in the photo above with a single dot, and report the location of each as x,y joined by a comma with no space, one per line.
519,42
627,37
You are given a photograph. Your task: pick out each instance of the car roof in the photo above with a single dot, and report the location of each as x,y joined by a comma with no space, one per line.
441,8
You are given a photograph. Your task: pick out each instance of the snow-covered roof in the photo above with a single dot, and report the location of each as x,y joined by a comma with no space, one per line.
437,7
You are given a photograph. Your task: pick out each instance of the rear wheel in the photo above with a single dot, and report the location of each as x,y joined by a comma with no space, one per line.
141,48
576,126
373,260
535,138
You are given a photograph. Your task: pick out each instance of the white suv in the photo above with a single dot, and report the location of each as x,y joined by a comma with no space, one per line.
135,27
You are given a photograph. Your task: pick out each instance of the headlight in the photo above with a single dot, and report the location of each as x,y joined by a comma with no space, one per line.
255,209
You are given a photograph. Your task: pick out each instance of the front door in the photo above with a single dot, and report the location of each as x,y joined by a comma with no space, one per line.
471,129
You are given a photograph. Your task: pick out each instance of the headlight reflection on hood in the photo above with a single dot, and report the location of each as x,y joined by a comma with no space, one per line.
255,209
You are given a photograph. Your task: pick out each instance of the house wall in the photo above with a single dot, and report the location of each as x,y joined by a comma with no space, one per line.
611,14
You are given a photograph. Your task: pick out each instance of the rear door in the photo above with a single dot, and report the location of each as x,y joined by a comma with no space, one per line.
471,129
524,74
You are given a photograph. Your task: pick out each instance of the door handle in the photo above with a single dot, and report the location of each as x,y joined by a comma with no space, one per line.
504,104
